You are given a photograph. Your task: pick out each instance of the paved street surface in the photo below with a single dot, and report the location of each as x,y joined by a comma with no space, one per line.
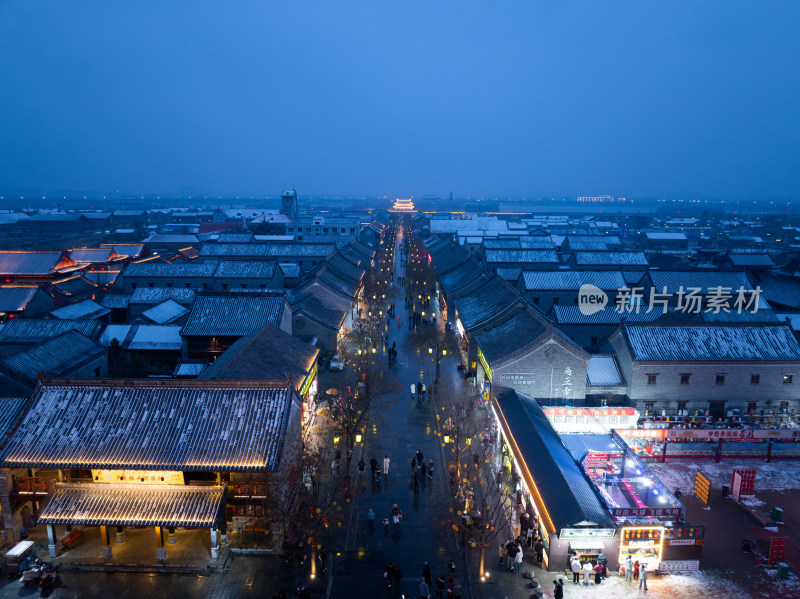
398,426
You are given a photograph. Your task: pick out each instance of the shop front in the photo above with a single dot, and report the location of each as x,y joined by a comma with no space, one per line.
570,514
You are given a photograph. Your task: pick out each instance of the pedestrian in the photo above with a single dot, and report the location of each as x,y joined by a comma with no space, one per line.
371,518
558,591
643,576
420,457
423,392
397,515
323,558
518,559
413,389
373,464
416,483
386,465
430,469
575,566
414,465
529,536
388,574
598,573
349,457
378,474
538,547
397,577
335,467
501,553
603,561
361,465
426,573
441,585
451,569
587,571
424,590
511,553
636,570
628,568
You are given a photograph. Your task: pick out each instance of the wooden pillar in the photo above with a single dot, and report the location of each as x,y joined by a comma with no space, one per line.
51,540
769,451
214,544
106,541
61,476
161,552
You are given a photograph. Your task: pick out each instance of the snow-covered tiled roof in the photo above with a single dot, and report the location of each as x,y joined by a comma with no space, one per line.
712,343
610,258
85,309
165,312
156,295
233,316
172,425
603,370
571,280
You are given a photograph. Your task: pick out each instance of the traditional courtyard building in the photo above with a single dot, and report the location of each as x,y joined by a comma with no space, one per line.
709,368
142,453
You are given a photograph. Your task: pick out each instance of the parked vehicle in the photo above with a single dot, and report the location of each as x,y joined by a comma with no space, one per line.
337,363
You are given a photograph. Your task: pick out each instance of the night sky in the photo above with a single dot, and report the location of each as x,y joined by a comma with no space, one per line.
642,99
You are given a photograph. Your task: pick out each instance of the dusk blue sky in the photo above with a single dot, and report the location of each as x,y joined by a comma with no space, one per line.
640,98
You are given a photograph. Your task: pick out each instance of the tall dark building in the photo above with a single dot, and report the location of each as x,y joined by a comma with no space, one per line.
289,203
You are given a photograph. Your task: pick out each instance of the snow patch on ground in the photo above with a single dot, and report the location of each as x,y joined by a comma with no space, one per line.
769,477
689,585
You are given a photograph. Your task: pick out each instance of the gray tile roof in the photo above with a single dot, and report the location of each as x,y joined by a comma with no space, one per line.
14,299
749,260
187,239
781,290
157,295
241,269
571,280
607,316
511,335
165,312
464,274
132,250
37,330
141,425
509,274
56,357
319,310
522,256
484,303
344,268
123,504
156,269
11,412
28,263
712,343
291,270
232,316
85,309
703,280
88,255
268,355
210,249
603,370
115,300
610,258
309,250
569,497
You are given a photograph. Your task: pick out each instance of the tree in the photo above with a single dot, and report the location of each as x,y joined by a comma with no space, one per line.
482,507
434,340
308,502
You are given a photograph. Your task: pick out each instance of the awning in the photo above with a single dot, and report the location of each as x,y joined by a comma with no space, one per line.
586,544
93,504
